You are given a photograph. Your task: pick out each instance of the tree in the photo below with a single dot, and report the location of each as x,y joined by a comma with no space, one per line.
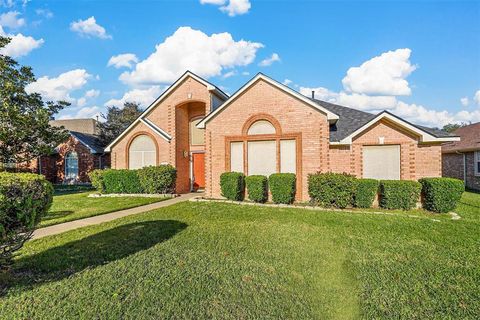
117,120
25,132
450,127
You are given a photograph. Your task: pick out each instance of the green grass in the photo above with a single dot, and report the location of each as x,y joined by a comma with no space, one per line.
224,261
69,206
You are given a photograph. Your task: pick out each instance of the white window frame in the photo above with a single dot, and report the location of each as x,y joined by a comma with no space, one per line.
476,161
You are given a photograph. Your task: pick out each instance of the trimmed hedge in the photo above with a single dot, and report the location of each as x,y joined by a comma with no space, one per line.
257,187
399,194
96,178
367,189
332,189
441,194
121,181
24,199
232,185
283,187
160,179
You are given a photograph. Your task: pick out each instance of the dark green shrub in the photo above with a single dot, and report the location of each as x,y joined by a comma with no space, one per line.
332,189
367,189
257,187
24,199
232,185
96,178
283,187
160,179
399,194
441,194
121,181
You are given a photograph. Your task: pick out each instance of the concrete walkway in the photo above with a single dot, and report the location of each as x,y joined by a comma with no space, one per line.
67,226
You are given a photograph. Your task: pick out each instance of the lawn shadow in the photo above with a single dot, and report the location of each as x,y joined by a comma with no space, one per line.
56,214
101,248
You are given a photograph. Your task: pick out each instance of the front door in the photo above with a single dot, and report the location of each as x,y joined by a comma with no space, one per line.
198,171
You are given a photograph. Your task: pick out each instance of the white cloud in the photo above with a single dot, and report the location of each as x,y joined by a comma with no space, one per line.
229,74
89,28
381,75
476,97
88,95
245,73
233,8
123,60
287,82
189,49
11,20
142,96
268,61
59,88
464,101
19,45
44,13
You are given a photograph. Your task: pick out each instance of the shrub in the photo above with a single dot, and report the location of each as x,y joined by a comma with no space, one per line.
441,194
399,194
160,179
332,189
121,181
367,189
232,185
96,178
24,199
282,186
257,187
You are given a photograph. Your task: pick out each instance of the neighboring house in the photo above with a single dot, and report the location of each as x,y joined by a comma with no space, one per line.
461,159
75,158
266,127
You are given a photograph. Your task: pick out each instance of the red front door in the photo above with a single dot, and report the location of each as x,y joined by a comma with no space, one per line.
198,171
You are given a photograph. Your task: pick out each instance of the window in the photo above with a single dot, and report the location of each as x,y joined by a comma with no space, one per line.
261,127
71,166
381,162
197,136
262,157
477,163
288,156
142,152
236,156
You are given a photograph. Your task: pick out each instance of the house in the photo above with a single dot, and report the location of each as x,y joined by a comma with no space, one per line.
266,127
81,153
461,159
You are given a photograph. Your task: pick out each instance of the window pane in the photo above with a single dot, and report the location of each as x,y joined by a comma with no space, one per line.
288,156
142,143
135,160
149,158
142,152
261,127
197,136
262,157
236,156
381,162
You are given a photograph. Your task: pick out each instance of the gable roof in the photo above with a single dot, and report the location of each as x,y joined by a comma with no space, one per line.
331,116
91,141
210,87
470,139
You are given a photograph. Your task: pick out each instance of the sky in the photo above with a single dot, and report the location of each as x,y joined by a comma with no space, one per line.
419,60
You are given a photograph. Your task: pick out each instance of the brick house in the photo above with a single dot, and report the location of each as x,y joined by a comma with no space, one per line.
266,127
75,158
461,159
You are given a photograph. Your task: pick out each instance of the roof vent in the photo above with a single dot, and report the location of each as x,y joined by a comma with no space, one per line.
313,94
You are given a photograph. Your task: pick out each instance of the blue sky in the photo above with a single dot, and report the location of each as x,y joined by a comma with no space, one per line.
420,60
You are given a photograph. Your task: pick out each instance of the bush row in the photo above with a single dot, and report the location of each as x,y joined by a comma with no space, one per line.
154,179
344,190
24,199
281,185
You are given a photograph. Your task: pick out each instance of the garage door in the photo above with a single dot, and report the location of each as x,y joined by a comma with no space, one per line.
381,162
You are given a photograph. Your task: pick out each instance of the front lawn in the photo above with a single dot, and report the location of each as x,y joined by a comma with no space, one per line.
68,206
212,260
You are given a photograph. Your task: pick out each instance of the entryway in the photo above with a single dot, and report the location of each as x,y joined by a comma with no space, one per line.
198,171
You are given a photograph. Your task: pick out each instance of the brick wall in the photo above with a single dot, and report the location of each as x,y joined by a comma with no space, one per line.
452,166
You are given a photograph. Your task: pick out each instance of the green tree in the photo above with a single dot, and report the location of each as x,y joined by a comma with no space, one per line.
450,127
25,132
117,120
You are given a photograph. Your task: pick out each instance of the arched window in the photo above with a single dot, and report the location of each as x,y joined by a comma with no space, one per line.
71,167
261,127
197,136
142,152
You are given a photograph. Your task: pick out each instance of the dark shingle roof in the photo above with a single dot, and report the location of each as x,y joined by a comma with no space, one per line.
469,139
352,119
89,140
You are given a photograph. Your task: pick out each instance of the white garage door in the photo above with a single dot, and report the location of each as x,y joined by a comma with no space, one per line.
381,162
